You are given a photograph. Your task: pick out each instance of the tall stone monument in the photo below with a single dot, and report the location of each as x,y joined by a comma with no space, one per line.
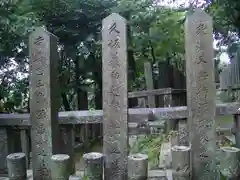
201,93
43,105
115,99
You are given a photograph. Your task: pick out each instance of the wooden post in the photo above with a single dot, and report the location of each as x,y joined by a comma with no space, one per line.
149,83
93,169
181,162
43,101
60,167
229,162
16,164
201,94
115,97
137,167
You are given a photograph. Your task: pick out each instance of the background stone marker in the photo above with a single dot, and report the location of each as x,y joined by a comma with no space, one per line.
149,83
115,97
43,96
201,93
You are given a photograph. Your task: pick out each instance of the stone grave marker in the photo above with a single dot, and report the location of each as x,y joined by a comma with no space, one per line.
115,97
43,97
201,93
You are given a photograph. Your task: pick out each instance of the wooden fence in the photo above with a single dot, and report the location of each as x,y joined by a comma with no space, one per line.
52,132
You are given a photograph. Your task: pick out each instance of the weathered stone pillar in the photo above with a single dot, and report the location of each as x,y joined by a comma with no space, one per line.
236,129
25,145
60,167
174,138
149,83
44,102
16,164
183,132
4,150
181,162
68,144
115,97
229,162
201,93
93,162
137,167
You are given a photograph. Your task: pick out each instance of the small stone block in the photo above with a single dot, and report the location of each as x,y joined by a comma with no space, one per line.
60,167
74,177
180,175
157,175
137,166
93,169
16,164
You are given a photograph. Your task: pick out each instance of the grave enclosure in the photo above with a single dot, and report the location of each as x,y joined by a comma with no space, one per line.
52,133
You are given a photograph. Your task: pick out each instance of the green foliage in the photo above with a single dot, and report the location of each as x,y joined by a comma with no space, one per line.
149,145
155,33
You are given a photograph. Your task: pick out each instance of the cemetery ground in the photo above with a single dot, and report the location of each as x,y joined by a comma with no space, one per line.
146,144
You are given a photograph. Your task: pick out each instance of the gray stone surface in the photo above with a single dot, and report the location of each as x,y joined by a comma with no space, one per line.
201,93
181,158
43,101
93,163
152,175
24,133
149,83
137,167
165,158
229,162
68,144
3,150
115,97
183,132
16,164
139,115
60,167
74,177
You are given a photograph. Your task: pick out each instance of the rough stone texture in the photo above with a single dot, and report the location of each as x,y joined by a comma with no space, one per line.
157,175
68,144
25,145
158,92
229,162
60,167
174,138
237,130
115,97
179,175
137,167
183,132
93,168
181,158
16,164
113,168
3,150
201,93
165,158
149,83
43,101
139,115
